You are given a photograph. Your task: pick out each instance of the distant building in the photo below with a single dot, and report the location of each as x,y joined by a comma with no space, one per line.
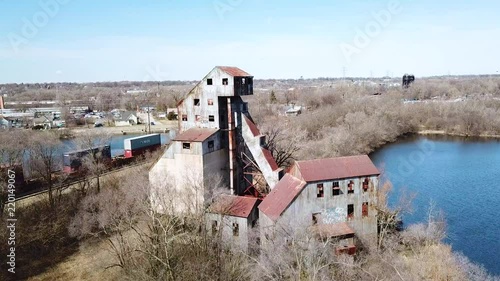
408,79
127,118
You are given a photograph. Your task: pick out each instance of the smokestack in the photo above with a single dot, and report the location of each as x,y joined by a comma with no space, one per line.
1,102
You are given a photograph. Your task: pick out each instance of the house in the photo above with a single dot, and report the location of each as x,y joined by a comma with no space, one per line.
127,118
232,217
328,194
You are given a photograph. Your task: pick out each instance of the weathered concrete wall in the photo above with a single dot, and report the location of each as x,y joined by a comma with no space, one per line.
178,178
225,224
205,93
333,209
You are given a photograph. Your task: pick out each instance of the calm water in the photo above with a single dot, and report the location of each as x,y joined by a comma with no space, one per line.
462,176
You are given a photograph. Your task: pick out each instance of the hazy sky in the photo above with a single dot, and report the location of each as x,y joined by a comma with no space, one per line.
87,40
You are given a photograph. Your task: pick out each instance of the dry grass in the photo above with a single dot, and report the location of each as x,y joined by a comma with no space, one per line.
89,263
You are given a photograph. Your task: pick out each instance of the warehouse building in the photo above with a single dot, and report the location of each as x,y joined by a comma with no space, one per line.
336,197
220,150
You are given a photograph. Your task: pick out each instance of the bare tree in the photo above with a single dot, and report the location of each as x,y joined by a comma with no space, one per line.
44,159
94,164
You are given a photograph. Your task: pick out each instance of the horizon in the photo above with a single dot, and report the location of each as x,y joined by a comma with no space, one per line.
74,41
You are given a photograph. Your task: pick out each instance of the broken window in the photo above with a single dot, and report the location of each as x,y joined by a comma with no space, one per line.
319,191
336,188
225,81
211,118
366,184
365,209
196,102
350,211
186,145
210,146
215,227
210,81
350,187
316,218
210,102
236,229
184,117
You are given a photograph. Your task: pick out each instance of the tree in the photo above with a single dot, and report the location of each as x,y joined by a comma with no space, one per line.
272,98
11,157
44,159
94,164
283,141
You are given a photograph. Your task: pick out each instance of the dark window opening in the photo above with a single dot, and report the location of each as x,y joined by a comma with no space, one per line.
197,102
365,209
184,117
350,188
225,81
215,227
210,146
236,229
336,188
319,191
186,145
366,185
315,218
210,81
210,102
211,118
336,191
350,211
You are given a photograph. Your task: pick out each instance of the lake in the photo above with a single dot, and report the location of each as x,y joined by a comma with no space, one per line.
462,177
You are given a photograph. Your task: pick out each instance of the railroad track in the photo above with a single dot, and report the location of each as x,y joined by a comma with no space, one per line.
79,180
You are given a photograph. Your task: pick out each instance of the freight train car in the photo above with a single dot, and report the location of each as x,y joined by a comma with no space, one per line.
72,161
139,145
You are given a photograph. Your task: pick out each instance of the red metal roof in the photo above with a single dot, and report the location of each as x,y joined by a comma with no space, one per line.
236,206
336,168
252,126
234,71
196,135
333,230
281,196
270,159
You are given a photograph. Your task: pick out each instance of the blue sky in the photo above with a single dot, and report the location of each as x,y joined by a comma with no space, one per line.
82,41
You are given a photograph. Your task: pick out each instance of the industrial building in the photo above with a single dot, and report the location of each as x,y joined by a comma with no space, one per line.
219,149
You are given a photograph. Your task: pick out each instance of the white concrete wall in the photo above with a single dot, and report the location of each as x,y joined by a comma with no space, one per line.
333,209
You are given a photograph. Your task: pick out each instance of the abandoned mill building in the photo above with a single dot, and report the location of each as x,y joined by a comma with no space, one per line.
218,144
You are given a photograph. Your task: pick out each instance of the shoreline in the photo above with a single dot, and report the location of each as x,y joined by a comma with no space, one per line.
426,132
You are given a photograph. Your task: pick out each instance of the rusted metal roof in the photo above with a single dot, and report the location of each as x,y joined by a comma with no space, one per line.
336,168
332,230
234,71
281,196
270,159
253,128
196,135
236,206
